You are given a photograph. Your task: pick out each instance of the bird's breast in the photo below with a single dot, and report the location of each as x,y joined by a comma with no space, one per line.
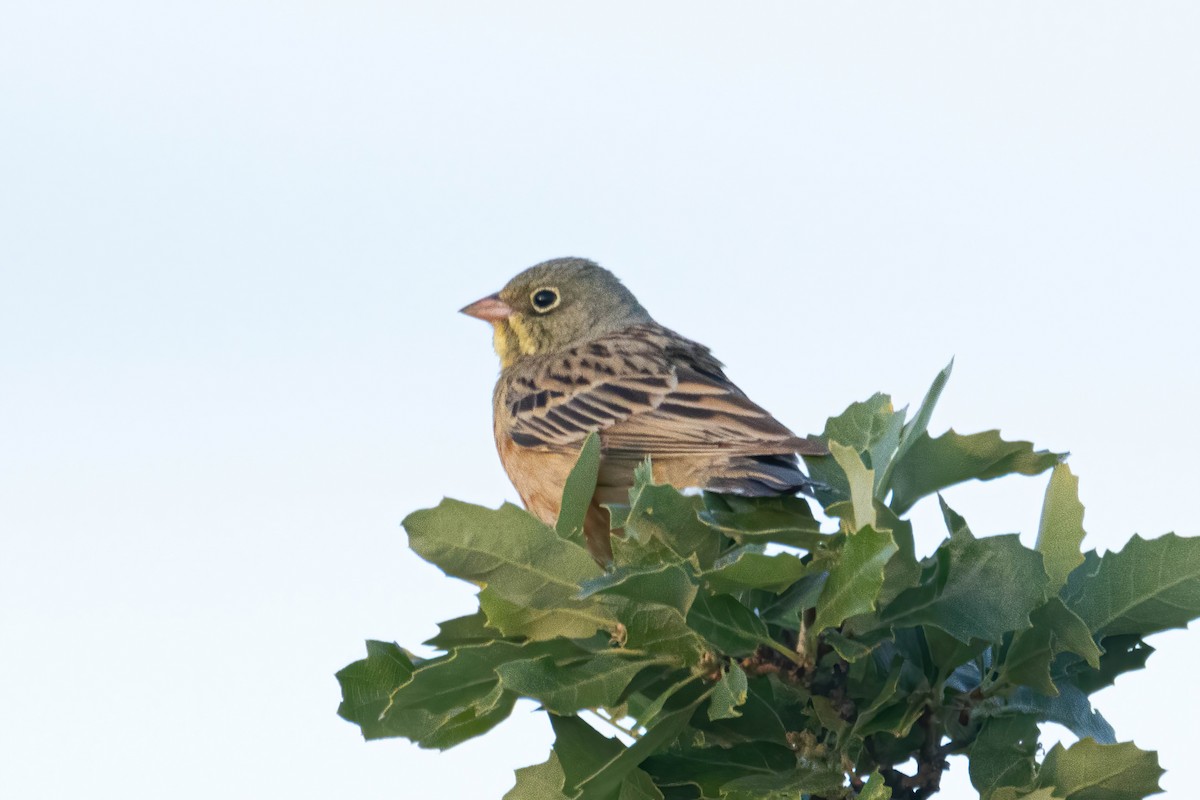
537,475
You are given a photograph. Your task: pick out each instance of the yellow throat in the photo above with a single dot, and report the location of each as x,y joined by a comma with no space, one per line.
512,339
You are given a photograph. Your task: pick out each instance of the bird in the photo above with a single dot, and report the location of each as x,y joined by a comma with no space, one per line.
579,354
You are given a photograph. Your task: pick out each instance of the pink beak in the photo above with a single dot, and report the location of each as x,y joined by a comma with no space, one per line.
489,309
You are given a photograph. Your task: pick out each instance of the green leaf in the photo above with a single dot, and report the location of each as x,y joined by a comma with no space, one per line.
646,714
1061,530
831,718
916,427
920,421
852,649
1148,586
930,465
1014,793
875,789
855,580
895,720
710,768
618,513
803,779
902,570
861,483
948,653
471,629
955,524
595,766
953,596
1090,771
1071,634
581,750
966,677
448,730
657,631
518,620
578,490
1003,754
760,520
1056,629
596,682
728,693
900,700
672,584
748,567
786,609
884,697
1028,660
1069,708
521,561
637,785
1122,654
540,782
772,709
867,424
728,625
455,697
663,525
367,686
870,428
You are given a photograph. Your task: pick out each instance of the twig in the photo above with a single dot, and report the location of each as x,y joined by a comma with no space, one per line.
931,762
630,732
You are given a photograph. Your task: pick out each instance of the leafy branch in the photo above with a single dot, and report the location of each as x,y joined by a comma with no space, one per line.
746,653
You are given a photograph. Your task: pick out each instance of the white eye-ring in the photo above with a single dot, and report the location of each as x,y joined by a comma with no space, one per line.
545,299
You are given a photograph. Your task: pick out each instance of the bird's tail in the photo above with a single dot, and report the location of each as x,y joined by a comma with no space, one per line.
764,476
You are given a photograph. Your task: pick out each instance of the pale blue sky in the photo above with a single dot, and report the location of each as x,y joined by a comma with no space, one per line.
233,237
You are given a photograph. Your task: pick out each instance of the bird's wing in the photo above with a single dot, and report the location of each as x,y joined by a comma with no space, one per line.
648,391
705,416
592,387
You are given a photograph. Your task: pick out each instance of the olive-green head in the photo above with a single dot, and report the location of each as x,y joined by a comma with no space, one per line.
554,305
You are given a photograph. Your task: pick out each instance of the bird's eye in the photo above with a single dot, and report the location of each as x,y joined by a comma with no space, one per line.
544,299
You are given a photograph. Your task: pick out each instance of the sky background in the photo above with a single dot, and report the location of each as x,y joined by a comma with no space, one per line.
234,236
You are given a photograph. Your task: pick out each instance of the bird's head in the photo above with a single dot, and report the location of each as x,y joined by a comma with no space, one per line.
555,304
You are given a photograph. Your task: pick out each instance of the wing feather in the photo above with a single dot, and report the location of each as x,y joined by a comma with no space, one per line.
648,391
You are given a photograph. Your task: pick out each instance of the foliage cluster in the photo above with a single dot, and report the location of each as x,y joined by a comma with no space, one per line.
746,654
